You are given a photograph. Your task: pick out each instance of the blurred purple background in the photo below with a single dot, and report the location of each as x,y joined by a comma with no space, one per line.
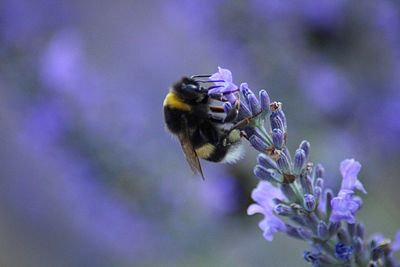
90,177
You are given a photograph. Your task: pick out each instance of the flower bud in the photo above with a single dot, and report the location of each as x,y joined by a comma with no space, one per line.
313,257
309,202
254,104
276,122
319,171
319,182
357,244
343,251
322,230
265,101
343,236
306,185
244,112
283,210
328,199
304,233
258,143
266,161
317,193
333,227
282,116
278,201
277,138
292,231
283,163
251,99
270,175
305,145
300,161
351,228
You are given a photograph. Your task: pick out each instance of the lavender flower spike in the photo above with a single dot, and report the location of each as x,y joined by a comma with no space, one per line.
294,190
264,194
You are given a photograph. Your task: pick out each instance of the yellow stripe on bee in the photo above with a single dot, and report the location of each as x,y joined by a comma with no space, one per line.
175,102
205,151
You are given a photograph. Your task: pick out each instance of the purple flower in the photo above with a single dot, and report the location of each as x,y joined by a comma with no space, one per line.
344,206
264,194
223,74
228,88
350,169
396,242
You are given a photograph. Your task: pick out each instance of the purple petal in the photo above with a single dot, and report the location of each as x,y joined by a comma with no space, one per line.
349,169
264,194
254,208
222,74
359,186
344,207
228,88
270,225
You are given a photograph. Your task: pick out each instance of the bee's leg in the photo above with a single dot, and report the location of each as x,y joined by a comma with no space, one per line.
234,136
231,115
243,123
244,135
233,112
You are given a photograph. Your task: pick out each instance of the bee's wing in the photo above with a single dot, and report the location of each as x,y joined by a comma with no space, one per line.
189,152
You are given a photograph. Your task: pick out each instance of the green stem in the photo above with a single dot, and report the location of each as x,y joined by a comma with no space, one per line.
299,196
265,135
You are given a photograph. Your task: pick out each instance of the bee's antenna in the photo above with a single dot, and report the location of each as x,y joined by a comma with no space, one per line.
215,86
211,81
200,76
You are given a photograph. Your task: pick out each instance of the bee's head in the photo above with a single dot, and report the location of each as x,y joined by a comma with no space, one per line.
190,90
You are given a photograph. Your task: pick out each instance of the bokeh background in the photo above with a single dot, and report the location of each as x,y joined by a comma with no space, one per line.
90,177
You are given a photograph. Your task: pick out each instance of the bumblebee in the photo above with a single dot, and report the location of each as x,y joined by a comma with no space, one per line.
200,123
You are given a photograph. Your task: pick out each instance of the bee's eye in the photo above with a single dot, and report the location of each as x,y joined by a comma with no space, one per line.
191,92
192,87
